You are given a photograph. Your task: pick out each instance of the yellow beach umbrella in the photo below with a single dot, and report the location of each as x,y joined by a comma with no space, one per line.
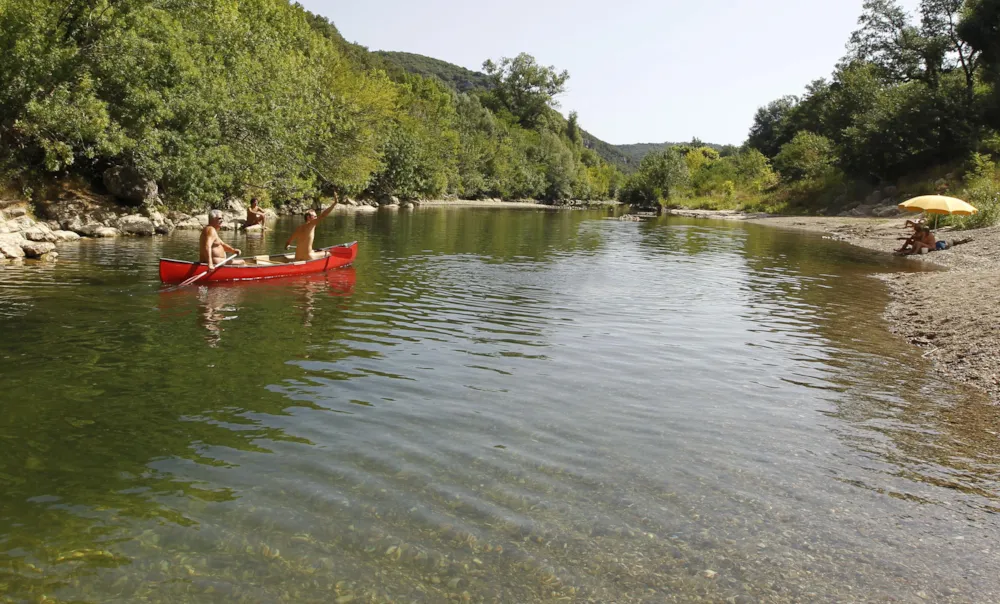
938,204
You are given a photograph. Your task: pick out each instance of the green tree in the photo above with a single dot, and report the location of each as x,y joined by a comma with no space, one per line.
812,110
214,99
559,167
728,150
980,28
887,39
479,143
698,157
753,170
660,176
940,27
808,155
768,132
210,99
524,87
573,129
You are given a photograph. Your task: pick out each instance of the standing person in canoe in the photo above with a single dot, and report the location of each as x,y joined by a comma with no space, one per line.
213,248
304,235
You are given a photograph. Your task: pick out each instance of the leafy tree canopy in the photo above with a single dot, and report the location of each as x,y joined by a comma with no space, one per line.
238,97
660,176
807,155
524,87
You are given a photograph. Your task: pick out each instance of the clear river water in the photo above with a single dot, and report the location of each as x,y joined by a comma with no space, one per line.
512,405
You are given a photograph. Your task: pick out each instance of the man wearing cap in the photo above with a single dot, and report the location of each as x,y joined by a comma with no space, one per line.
213,248
306,233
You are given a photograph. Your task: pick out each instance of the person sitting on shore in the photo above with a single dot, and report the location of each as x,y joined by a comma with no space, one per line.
306,233
255,215
213,248
923,240
907,244
909,241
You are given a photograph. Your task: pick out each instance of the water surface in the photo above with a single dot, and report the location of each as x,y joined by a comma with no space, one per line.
491,406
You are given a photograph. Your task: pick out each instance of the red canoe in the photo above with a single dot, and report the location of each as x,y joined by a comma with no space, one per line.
260,267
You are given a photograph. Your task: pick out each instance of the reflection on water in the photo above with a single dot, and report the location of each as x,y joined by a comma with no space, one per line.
492,406
221,302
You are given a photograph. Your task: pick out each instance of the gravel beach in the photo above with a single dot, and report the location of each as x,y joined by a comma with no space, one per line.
953,314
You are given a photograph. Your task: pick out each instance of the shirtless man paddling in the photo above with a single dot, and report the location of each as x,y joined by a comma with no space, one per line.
213,248
306,233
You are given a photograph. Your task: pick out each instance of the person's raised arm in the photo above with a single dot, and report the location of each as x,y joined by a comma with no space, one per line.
327,211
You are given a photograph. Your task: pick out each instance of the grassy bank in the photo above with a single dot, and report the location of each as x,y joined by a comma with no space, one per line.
976,181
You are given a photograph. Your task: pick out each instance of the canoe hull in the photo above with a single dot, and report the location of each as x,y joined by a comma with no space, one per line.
178,271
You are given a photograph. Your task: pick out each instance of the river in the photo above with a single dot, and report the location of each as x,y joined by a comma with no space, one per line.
513,405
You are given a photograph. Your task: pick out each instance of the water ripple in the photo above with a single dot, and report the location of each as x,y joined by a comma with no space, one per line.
600,414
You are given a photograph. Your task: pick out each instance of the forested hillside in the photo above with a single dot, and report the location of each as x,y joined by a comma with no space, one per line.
464,80
232,98
459,78
624,157
635,152
259,97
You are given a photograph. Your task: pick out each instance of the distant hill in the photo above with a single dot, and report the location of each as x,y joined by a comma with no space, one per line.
459,78
636,151
608,152
626,157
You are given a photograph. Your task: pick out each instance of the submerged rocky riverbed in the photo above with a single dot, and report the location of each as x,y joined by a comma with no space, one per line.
493,405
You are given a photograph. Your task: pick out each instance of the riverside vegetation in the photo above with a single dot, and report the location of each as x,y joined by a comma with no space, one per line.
215,100
913,108
220,99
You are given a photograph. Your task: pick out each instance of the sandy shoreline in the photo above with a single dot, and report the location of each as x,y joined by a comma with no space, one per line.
953,314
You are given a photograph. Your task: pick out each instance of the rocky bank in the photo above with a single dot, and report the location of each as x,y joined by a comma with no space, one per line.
133,208
33,232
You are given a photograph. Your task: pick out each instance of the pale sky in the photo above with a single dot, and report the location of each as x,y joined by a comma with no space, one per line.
640,70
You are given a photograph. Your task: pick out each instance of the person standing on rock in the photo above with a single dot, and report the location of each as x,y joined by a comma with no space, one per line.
255,215
304,235
213,248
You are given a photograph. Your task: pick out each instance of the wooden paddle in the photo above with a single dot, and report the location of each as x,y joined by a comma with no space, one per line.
200,275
